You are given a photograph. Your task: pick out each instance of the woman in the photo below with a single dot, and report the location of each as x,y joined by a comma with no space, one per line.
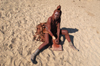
53,28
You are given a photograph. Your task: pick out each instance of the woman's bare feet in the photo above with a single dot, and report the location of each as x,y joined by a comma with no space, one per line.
72,46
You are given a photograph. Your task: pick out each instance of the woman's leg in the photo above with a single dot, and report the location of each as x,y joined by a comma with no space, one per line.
46,41
65,32
41,46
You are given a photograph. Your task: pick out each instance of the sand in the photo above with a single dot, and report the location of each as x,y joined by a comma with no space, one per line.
18,20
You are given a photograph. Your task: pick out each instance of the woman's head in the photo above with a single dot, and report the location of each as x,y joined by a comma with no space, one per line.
57,13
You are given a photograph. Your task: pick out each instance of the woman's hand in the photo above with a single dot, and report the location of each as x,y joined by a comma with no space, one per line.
57,41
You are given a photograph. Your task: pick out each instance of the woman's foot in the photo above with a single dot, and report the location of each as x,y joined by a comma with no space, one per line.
32,56
72,46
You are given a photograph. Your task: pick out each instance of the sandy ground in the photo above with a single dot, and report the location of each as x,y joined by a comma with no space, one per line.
18,20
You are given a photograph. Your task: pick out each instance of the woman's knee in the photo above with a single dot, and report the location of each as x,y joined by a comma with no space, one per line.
46,42
64,32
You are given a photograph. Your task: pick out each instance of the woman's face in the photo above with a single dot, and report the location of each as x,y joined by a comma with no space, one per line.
56,15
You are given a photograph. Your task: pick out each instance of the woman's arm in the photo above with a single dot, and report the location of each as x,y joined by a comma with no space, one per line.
58,30
49,28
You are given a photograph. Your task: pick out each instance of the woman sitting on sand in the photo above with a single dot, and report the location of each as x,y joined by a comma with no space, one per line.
53,28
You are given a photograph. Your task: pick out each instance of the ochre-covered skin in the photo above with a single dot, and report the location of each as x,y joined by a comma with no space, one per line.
53,28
